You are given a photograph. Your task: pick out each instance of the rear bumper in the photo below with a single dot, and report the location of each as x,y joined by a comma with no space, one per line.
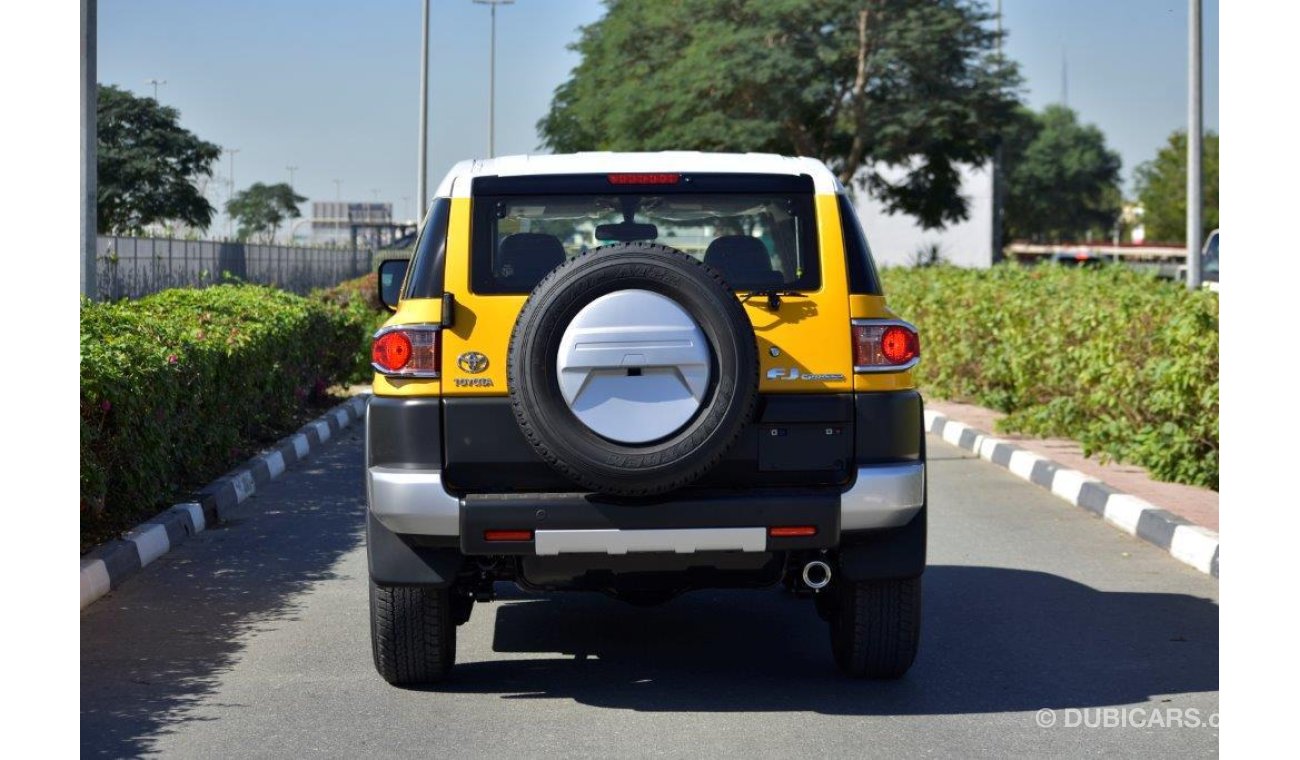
414,502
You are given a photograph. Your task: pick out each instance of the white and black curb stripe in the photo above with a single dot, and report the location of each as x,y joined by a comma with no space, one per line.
108,565
1188,543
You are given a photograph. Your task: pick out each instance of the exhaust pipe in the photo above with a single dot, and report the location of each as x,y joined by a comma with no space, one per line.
816,575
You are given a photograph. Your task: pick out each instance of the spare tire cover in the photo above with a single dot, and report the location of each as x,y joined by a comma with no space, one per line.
632,369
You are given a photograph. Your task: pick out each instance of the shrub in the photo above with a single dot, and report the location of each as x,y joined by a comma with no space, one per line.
1124,363
359,298
178,386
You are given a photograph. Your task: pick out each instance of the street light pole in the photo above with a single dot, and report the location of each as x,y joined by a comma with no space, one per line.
291,170
155,83
89,145
1194,145
230,220
492,74
998,242
422,178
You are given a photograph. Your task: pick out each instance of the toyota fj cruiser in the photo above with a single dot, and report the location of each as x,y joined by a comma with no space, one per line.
643,374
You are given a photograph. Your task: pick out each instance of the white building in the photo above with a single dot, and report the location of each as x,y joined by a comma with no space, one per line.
898,240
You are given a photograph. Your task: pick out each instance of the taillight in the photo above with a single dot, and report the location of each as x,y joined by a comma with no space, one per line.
406,350
884,346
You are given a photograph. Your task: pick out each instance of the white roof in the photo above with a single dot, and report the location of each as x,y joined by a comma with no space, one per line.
456,183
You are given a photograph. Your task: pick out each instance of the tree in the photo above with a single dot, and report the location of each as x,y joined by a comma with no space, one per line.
1162,189
261,208
1062,180
147,165
910,84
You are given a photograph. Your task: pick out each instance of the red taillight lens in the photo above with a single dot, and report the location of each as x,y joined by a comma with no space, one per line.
391,351
884,346
406,351
644,179
899,345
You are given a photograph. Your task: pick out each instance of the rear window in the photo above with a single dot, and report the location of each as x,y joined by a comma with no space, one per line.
429,263
863,279
758,240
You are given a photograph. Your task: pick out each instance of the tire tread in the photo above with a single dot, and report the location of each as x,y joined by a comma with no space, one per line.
413,636
877,626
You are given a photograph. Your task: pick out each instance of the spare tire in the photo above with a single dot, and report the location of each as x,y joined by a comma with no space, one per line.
632,369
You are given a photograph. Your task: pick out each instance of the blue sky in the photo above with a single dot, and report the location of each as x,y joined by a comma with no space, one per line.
332,86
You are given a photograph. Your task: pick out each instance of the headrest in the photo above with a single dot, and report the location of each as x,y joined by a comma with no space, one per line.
529,256
742,260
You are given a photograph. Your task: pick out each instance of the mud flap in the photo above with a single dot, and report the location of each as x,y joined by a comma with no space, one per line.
889,554
395,562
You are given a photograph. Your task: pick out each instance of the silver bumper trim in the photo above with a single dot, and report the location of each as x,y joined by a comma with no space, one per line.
675,540
883,496
412,501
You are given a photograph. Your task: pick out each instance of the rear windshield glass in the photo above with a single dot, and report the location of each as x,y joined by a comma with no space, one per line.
863,279
757,241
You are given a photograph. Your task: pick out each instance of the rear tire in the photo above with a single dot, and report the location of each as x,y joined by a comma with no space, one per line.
600,464
876,626
412,633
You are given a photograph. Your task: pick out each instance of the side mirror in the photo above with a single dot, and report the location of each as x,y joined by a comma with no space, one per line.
391,275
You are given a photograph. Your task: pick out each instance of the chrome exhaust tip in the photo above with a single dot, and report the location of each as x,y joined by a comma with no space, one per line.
816,575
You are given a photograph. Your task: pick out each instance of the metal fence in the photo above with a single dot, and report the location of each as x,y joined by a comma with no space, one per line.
130,267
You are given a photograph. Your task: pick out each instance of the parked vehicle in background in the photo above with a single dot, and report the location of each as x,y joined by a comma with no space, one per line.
1166,261
643,374
1081,257
1210,262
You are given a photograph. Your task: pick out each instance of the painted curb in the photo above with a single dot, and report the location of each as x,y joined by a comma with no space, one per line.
1185,541
108,565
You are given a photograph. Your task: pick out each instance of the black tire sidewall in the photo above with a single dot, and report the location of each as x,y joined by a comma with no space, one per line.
578,452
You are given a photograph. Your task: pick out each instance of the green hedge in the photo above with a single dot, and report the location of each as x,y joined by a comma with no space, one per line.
359,298
1124,363
179,386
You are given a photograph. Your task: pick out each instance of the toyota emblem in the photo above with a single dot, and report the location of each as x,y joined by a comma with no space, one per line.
472,362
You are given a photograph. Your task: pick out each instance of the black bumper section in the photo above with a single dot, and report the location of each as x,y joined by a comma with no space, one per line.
532,512
887,428
868,555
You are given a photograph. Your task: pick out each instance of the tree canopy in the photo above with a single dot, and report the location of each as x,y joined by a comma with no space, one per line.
1162,189
1062,182
147,164
262,208
911,84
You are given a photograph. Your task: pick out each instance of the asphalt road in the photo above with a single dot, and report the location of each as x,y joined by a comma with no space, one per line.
251,640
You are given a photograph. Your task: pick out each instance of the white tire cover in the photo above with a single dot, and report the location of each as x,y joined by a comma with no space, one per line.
633,366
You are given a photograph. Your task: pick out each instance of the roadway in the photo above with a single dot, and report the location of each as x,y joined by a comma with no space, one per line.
252,640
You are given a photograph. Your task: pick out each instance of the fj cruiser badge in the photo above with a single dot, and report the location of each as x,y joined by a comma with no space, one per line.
793,373
472,362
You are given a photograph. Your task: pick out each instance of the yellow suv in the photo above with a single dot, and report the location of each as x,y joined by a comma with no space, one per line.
643,374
